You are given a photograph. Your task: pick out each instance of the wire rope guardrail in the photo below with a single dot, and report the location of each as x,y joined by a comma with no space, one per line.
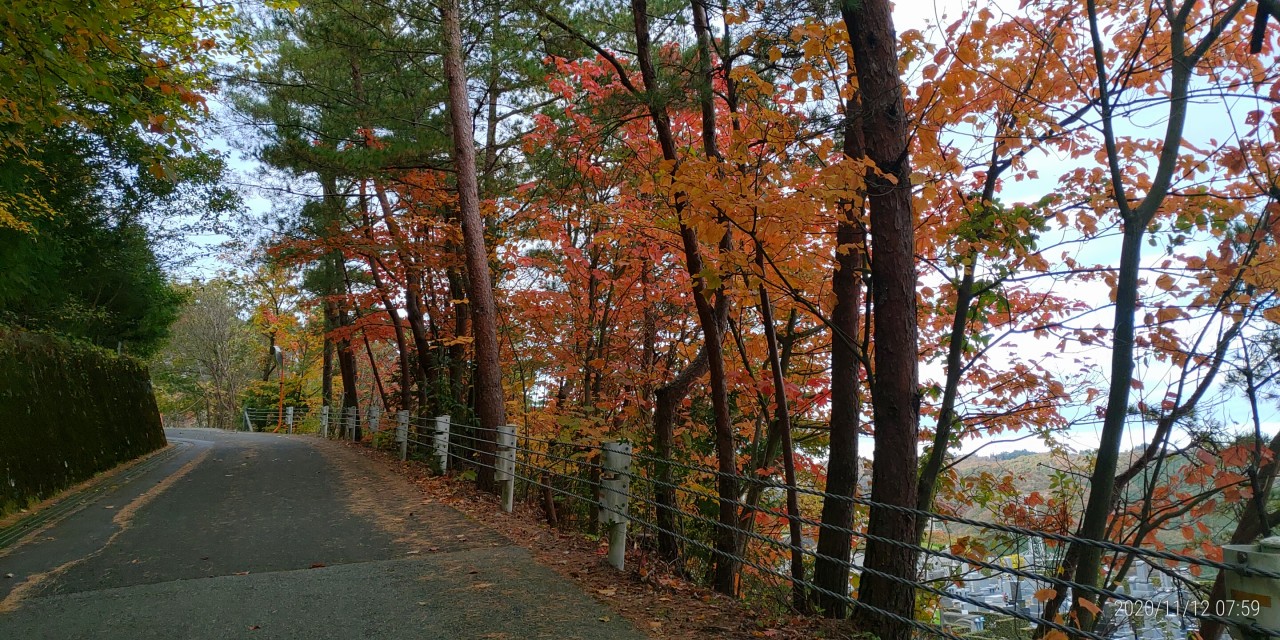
967,560
597,478
1105,545
286,418
933,630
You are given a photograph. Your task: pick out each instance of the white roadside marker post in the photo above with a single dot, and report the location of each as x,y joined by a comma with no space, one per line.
402,433
615,483
440,443
506,466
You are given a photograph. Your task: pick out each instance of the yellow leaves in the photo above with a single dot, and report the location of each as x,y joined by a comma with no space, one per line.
158,170
1087,223
1235,456
965,52
710,281
1168,314
14,208
1036,262
1057,389
1272,314
1088,605
1234,161
1045,595
1227,479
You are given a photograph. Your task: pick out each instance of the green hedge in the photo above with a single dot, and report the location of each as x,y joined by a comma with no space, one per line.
67,411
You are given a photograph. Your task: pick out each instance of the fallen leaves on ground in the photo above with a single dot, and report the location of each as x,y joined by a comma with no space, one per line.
656,603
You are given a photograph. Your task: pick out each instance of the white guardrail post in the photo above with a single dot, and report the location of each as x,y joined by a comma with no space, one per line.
374,419
351,422
288,418
324,421
615,484
248,424
440,443
402,433
506,466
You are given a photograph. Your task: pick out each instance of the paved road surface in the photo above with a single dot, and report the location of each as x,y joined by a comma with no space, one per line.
237,535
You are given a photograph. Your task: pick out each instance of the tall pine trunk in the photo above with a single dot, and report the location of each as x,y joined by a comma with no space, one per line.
335,309
835,547
489,399
894,388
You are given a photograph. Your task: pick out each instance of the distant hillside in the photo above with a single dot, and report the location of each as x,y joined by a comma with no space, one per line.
1009,455
1031,471
1045,472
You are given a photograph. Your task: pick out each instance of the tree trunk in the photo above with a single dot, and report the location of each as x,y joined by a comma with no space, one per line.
347,365
373,369
270,364
846,407
326,364
666,400
336,269
726,566
384,294
894,389
782,422
347,369
490,406
1135,220
461,328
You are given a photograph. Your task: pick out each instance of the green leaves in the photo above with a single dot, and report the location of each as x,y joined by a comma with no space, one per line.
103,67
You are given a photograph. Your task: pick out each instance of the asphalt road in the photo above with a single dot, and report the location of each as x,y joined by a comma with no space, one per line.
238,535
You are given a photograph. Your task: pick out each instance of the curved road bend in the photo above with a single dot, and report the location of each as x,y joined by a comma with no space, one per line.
250,535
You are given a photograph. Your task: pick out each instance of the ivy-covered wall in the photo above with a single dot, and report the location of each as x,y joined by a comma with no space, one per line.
67,411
